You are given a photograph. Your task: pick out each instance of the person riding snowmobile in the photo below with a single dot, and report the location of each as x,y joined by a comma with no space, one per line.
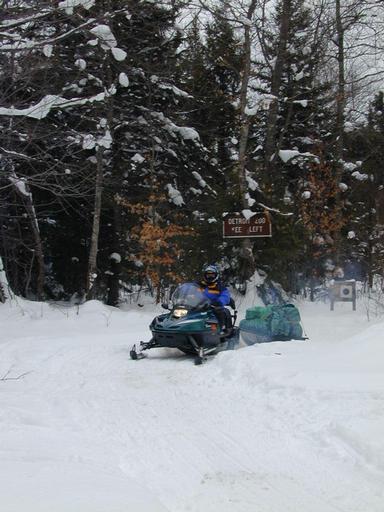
217,293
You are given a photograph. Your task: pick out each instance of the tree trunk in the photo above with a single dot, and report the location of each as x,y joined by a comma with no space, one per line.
26,198
340,100
4,288
115,263
247,265
340,115
39,251
271,129
94,247
379,206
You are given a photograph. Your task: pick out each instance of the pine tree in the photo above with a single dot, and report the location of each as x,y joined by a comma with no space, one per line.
303,100
300,111
365,179
213,66
113,121
160,155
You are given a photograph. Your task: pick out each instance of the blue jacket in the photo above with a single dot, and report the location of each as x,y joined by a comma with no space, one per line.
216,292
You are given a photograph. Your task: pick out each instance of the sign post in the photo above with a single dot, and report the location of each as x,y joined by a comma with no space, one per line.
236,225
343,291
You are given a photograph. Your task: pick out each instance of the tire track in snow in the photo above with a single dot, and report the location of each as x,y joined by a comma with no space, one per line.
218,449
224,437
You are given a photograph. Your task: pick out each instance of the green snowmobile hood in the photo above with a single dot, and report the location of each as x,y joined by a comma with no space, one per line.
192,322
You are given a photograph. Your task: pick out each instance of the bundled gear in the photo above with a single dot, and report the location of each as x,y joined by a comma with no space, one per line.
271,323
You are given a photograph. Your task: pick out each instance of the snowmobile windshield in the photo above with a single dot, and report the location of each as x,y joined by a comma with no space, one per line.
189,296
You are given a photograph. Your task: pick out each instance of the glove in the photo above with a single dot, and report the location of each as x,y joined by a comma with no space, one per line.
216,303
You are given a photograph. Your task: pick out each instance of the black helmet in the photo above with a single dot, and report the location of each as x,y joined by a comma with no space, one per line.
211,274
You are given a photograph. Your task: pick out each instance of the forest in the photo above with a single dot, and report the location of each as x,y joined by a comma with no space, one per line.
129,127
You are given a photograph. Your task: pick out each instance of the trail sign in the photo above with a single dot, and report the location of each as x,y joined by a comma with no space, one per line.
236,225
343,291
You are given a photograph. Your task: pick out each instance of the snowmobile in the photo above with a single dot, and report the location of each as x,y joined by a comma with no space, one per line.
191,326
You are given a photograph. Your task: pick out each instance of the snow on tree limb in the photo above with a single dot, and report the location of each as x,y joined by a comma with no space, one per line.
15,154
17,22
69,5
29,44
185,132
105,36
289,154
50,101
20,185
174,195
275,210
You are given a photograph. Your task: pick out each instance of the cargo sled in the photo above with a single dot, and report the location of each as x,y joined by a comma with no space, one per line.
271,323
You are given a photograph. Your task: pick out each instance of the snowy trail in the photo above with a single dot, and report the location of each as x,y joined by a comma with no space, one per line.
274,427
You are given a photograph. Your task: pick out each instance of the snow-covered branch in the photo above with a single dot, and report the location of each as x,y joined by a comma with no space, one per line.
29,44
275,210
49,102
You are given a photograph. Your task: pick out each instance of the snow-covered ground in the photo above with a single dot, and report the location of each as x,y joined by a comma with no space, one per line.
293,427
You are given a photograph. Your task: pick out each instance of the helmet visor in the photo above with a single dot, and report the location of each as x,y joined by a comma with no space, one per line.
210,276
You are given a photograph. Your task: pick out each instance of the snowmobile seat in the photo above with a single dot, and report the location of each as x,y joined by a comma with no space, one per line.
228,319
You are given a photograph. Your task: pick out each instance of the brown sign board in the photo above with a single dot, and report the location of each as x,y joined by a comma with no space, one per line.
235,225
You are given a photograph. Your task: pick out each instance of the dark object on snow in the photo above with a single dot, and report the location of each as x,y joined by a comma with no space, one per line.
191,326
271,323
270,294
2,293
